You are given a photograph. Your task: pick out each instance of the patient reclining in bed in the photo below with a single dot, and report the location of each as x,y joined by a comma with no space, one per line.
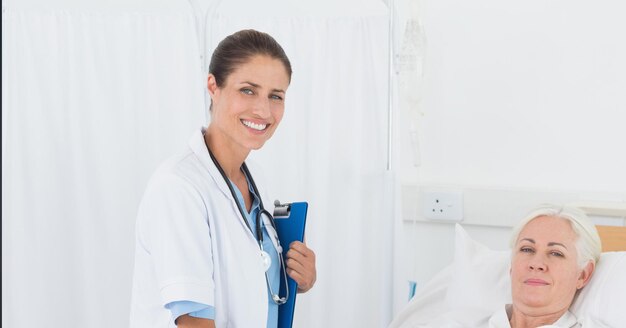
554,254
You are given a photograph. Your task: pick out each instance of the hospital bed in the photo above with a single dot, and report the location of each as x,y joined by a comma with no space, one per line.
477,283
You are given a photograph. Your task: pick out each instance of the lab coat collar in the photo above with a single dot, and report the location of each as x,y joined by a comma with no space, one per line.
199,148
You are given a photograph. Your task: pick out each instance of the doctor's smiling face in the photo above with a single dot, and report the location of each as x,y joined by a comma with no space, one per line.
545,273
249,104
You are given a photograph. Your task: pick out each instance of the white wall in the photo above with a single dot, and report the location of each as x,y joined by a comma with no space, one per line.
519,97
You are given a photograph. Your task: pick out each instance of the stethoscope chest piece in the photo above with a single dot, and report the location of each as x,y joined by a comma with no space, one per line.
267,260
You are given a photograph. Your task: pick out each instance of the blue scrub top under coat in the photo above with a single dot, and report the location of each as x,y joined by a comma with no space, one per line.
273,273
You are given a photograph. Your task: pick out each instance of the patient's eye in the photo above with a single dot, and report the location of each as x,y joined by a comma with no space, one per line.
526,249
556,253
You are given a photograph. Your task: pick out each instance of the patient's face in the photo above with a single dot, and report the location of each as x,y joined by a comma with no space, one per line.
544,270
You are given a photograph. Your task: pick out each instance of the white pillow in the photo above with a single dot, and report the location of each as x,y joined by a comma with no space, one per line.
481,282
603,300
481,285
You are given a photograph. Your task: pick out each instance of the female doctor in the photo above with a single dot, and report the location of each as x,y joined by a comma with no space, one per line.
206,253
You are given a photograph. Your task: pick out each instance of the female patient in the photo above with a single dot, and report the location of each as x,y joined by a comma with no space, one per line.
554,253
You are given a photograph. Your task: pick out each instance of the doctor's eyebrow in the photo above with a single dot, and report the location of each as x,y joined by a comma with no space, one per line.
258,86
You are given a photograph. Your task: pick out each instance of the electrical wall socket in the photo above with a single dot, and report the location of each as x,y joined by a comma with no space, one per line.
442,206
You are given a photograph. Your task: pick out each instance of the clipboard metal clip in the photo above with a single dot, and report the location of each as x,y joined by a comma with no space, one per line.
281,211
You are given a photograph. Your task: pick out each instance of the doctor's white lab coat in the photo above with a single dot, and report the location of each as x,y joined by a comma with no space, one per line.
192,244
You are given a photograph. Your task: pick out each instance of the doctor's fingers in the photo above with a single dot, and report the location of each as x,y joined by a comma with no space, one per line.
305,258
301,266
304,276
304,282
301,248
300,263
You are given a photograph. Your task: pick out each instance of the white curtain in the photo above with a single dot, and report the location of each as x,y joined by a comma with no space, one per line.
94,100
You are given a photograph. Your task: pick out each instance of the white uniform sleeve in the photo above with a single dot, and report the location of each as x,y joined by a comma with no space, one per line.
173,228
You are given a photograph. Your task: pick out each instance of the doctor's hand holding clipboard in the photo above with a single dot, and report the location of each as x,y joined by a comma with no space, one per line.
206,251
301,265
290,222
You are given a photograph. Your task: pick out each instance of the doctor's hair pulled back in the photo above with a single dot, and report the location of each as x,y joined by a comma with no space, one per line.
237,48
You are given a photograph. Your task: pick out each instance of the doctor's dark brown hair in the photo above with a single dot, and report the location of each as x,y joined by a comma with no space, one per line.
236,49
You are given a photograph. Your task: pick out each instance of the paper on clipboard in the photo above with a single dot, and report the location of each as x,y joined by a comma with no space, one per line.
290,221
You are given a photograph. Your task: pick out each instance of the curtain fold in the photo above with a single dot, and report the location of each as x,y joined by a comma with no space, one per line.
91,103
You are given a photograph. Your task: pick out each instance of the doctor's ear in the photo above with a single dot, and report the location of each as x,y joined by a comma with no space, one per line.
211,84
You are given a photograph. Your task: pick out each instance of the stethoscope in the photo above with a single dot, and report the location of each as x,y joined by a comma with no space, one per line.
267,260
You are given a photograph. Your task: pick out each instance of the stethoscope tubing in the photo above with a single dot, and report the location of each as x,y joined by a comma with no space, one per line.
258,228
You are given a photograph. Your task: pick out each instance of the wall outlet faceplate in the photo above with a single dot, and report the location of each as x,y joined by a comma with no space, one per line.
442,206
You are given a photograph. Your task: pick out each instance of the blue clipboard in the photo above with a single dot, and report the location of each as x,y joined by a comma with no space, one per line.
290,221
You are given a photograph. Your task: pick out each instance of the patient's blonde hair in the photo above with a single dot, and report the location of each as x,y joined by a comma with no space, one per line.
588,244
